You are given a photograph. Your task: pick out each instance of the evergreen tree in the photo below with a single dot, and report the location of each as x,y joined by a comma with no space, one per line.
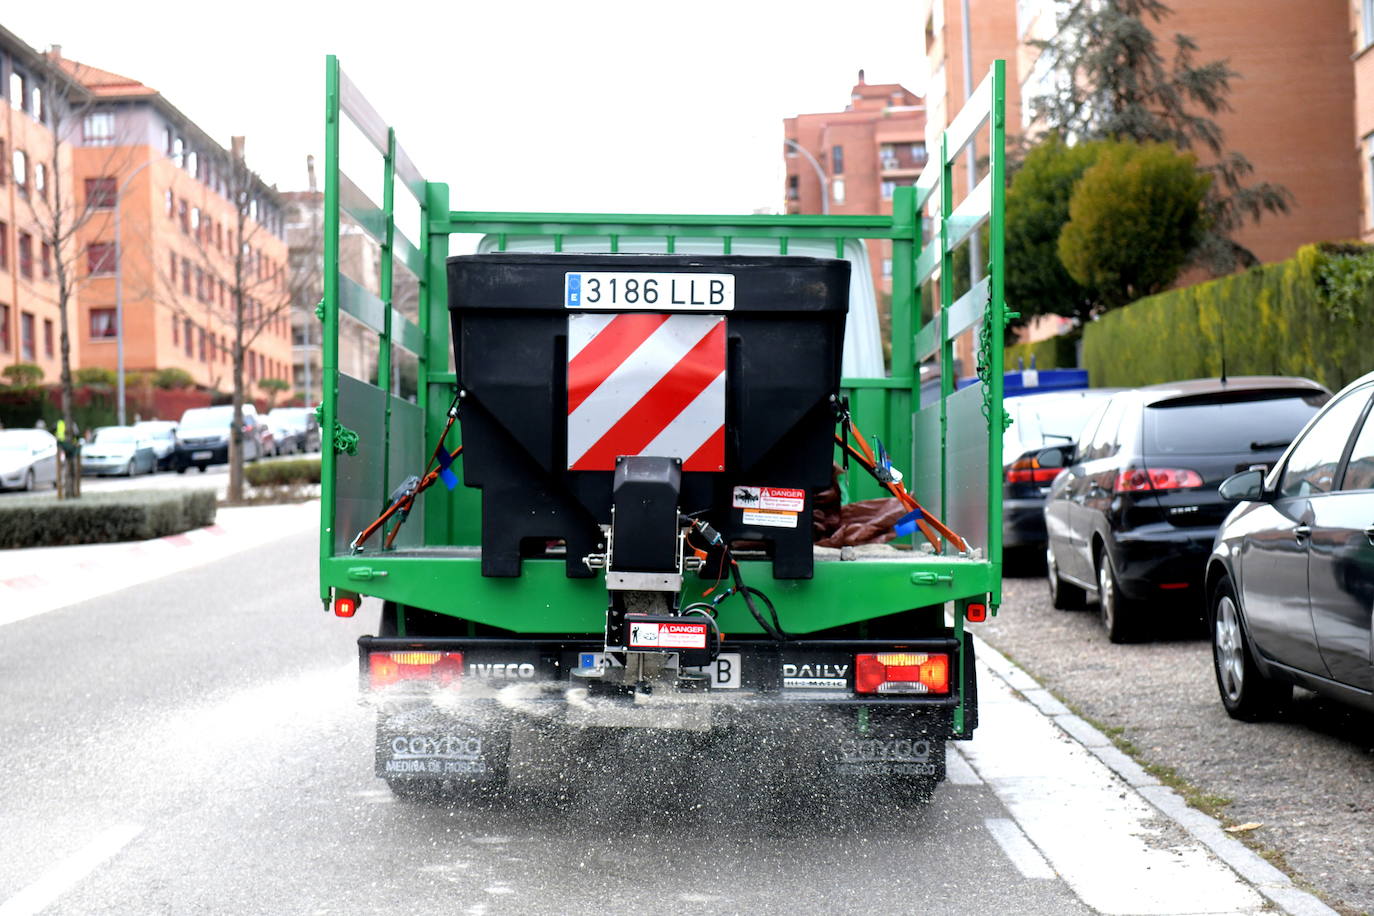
1115,84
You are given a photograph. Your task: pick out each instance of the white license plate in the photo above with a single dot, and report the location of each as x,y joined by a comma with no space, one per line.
651,291
725,671
197,456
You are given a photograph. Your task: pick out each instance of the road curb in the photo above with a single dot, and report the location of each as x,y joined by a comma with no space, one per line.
1274,885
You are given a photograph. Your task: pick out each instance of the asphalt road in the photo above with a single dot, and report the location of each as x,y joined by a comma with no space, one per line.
195,745
1307,779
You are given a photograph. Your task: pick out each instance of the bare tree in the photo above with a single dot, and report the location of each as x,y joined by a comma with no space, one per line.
234,287
58,214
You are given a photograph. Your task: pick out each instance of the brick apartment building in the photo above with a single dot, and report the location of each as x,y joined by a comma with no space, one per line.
125,147
1361,14
850,161
1293,105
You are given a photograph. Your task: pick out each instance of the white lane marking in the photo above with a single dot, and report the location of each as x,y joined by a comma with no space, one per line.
1019,850
957,770
65,875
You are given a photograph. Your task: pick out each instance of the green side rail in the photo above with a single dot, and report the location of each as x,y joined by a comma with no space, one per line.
443,572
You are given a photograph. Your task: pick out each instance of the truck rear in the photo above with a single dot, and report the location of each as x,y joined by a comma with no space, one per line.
582,482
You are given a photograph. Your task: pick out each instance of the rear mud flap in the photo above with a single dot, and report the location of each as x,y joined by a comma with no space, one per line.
432,744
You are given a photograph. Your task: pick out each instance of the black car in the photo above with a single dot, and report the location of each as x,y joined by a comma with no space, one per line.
1291,576
203,437
1133,515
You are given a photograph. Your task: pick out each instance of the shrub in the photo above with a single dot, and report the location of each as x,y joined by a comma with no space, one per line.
23,375
94,375
1296,317
293,472
1052,353
129,515
172,377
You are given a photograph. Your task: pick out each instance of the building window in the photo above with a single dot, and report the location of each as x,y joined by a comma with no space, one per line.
888,187
103,324
1367,18
178,150
176,331
4,329
17,92
100,258
195,221
3,163
200,335
40,180
837,160
171,204
837,190
28,342
887,267
21,172
99,128
191,162
47,338
4,246
101,193
46,250
174,269
184,215
185,277
26,255
186,337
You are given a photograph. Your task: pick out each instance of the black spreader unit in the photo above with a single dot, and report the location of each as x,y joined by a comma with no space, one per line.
644,532
783,339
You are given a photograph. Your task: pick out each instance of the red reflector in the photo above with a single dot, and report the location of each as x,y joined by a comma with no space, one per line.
901,672
345,607
386,668
1140,479
976,613
1173,585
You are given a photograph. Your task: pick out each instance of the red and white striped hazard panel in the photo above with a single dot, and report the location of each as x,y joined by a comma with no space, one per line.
641,383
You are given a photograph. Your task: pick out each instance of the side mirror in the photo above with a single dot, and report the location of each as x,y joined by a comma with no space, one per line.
1056,456
1247,486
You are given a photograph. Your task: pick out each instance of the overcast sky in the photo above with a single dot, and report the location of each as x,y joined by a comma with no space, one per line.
615,106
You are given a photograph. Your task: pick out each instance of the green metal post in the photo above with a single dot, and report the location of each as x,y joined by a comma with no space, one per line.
385,289
946,299
329,355
905,243
996,315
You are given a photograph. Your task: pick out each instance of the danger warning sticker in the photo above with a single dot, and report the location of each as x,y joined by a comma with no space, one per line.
668,635
770,518
780,499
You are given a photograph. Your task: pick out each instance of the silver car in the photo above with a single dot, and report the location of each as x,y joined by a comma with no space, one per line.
163,434
118,450
28,459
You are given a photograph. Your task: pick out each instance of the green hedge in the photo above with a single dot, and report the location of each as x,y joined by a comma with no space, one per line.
131,515
290,472
1309,316
1053,353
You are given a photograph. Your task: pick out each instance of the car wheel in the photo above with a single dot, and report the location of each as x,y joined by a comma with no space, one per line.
181,469
1063,595
201,468
29,481
129,469
1246,693
1113,607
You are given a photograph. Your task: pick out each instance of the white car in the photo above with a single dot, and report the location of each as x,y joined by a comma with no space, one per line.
28,459
163,434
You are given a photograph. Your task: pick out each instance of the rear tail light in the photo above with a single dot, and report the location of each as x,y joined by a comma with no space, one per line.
1028,470
901,672
345,606
1135,480
387,668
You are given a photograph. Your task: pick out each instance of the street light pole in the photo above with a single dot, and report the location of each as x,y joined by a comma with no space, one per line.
820,173
119,289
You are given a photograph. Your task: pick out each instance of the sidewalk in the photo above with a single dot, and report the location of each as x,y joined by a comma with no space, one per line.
43,579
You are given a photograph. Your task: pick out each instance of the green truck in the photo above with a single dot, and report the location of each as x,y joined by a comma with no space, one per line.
577,471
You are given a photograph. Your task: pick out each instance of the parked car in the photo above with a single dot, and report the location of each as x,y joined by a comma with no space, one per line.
1291,575
28,459
1037,421
203,437
267,439
118,450
296,429
1133,515
163,434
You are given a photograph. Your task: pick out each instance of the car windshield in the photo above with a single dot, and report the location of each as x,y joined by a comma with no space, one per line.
287,415
1231,423
114,434
15,442
207,416
1042,420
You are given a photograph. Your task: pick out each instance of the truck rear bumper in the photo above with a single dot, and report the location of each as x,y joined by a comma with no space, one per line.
800,694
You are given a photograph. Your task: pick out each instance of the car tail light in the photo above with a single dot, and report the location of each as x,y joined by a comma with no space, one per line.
1028,470
1135,480
386,668
901,672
